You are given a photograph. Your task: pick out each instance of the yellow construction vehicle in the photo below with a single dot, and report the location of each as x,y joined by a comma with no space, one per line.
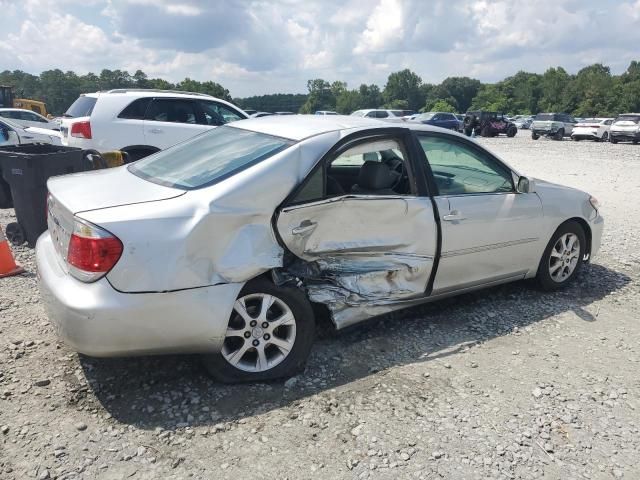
8,100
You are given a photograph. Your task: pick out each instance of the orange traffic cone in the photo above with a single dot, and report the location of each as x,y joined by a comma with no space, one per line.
8,265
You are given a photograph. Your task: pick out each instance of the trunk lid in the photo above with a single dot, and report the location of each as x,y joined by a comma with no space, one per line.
81,192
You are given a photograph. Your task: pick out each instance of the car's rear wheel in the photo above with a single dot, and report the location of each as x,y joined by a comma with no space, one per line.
562,259
486,131
614,140
269,335
511,131
605,137
535,136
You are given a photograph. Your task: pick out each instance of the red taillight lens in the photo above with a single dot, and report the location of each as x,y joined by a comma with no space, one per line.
92,252
81,129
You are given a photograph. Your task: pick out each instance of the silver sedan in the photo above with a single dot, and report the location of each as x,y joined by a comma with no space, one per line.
221,245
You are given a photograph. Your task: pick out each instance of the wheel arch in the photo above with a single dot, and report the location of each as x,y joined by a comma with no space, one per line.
140,148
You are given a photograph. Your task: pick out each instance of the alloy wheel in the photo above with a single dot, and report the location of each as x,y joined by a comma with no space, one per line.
564,257
261,333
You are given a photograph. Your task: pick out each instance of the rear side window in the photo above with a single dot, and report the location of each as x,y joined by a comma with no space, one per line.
208,158
172,110
82,107
136,109
381,114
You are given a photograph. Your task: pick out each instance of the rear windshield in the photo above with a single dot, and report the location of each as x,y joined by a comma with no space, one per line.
208,158
628,118
82,107
546,116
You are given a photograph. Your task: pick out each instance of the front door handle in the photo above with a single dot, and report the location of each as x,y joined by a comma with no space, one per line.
453,216
155,130
304,227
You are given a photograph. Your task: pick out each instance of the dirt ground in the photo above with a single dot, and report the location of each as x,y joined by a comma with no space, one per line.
506,383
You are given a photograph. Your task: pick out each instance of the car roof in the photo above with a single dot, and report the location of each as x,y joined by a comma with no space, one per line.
3,109
299,127
143,92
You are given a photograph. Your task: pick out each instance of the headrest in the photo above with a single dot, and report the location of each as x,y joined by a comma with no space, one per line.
375,176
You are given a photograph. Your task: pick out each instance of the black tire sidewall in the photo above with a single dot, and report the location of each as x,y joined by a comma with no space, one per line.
296,300
543,276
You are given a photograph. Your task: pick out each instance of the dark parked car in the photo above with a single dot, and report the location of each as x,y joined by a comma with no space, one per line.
438,119
488,124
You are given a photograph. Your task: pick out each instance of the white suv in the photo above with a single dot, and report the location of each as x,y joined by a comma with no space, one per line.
142,122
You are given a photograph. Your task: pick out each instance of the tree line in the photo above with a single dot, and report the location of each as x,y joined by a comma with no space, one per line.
593,91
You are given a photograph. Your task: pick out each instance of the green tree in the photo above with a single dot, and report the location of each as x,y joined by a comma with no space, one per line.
404,85
321,96
443,106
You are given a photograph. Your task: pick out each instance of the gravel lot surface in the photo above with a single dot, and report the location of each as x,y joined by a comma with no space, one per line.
507,383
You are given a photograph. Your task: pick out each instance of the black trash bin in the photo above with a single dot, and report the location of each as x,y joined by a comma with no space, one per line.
26,169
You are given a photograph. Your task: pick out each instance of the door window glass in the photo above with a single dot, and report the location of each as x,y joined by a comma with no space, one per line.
460,169
136,109
172,110
217,114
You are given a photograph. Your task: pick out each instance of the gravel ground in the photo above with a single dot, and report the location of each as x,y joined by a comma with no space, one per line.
507,383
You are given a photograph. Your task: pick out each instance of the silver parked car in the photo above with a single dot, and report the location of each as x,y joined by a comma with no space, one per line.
221,244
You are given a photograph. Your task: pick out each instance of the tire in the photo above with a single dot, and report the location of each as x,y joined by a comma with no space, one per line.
15,234
613,140
468,131
511,132
575,139
298,333
635,142
559,135
605,137
550,276
534,136
486,131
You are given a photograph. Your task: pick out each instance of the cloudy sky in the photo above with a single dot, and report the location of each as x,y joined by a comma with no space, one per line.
267,46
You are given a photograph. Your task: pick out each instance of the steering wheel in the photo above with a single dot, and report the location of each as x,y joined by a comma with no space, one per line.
396,165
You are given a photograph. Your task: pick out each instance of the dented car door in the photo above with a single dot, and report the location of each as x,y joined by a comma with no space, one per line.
361,254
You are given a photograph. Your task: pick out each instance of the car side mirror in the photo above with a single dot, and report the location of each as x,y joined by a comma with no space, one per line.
526,185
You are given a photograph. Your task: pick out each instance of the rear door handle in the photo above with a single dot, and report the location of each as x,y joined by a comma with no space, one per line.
304,227
155,130
454,216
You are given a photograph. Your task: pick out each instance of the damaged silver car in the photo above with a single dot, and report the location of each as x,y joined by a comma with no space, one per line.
221,245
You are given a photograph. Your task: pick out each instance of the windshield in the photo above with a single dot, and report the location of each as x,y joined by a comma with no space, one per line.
628,118
546,117
82,107
208,158
425,116
359,113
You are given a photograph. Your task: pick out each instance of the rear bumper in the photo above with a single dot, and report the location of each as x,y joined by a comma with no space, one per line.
97,320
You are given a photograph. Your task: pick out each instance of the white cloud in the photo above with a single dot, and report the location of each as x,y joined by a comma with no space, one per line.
261,46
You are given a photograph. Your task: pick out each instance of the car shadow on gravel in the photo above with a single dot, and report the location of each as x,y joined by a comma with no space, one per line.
173,392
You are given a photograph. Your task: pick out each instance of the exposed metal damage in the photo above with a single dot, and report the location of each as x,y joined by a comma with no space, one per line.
354,285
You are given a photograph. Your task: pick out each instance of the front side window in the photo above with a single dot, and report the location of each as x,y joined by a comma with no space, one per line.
217,114
382,114
460,169
208,158
172,111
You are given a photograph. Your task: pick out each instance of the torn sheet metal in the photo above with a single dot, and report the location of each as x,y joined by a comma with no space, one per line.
218,234
361,256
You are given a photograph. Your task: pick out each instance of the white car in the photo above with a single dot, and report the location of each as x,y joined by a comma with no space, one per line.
13,134
220,245
626,127
592,129
142,122
27,118
380,113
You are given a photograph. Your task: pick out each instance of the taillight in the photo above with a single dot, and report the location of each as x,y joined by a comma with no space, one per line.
81,129
92,251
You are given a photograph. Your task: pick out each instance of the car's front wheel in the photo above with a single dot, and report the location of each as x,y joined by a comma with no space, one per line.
269,335
562,259
559,135
534,136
